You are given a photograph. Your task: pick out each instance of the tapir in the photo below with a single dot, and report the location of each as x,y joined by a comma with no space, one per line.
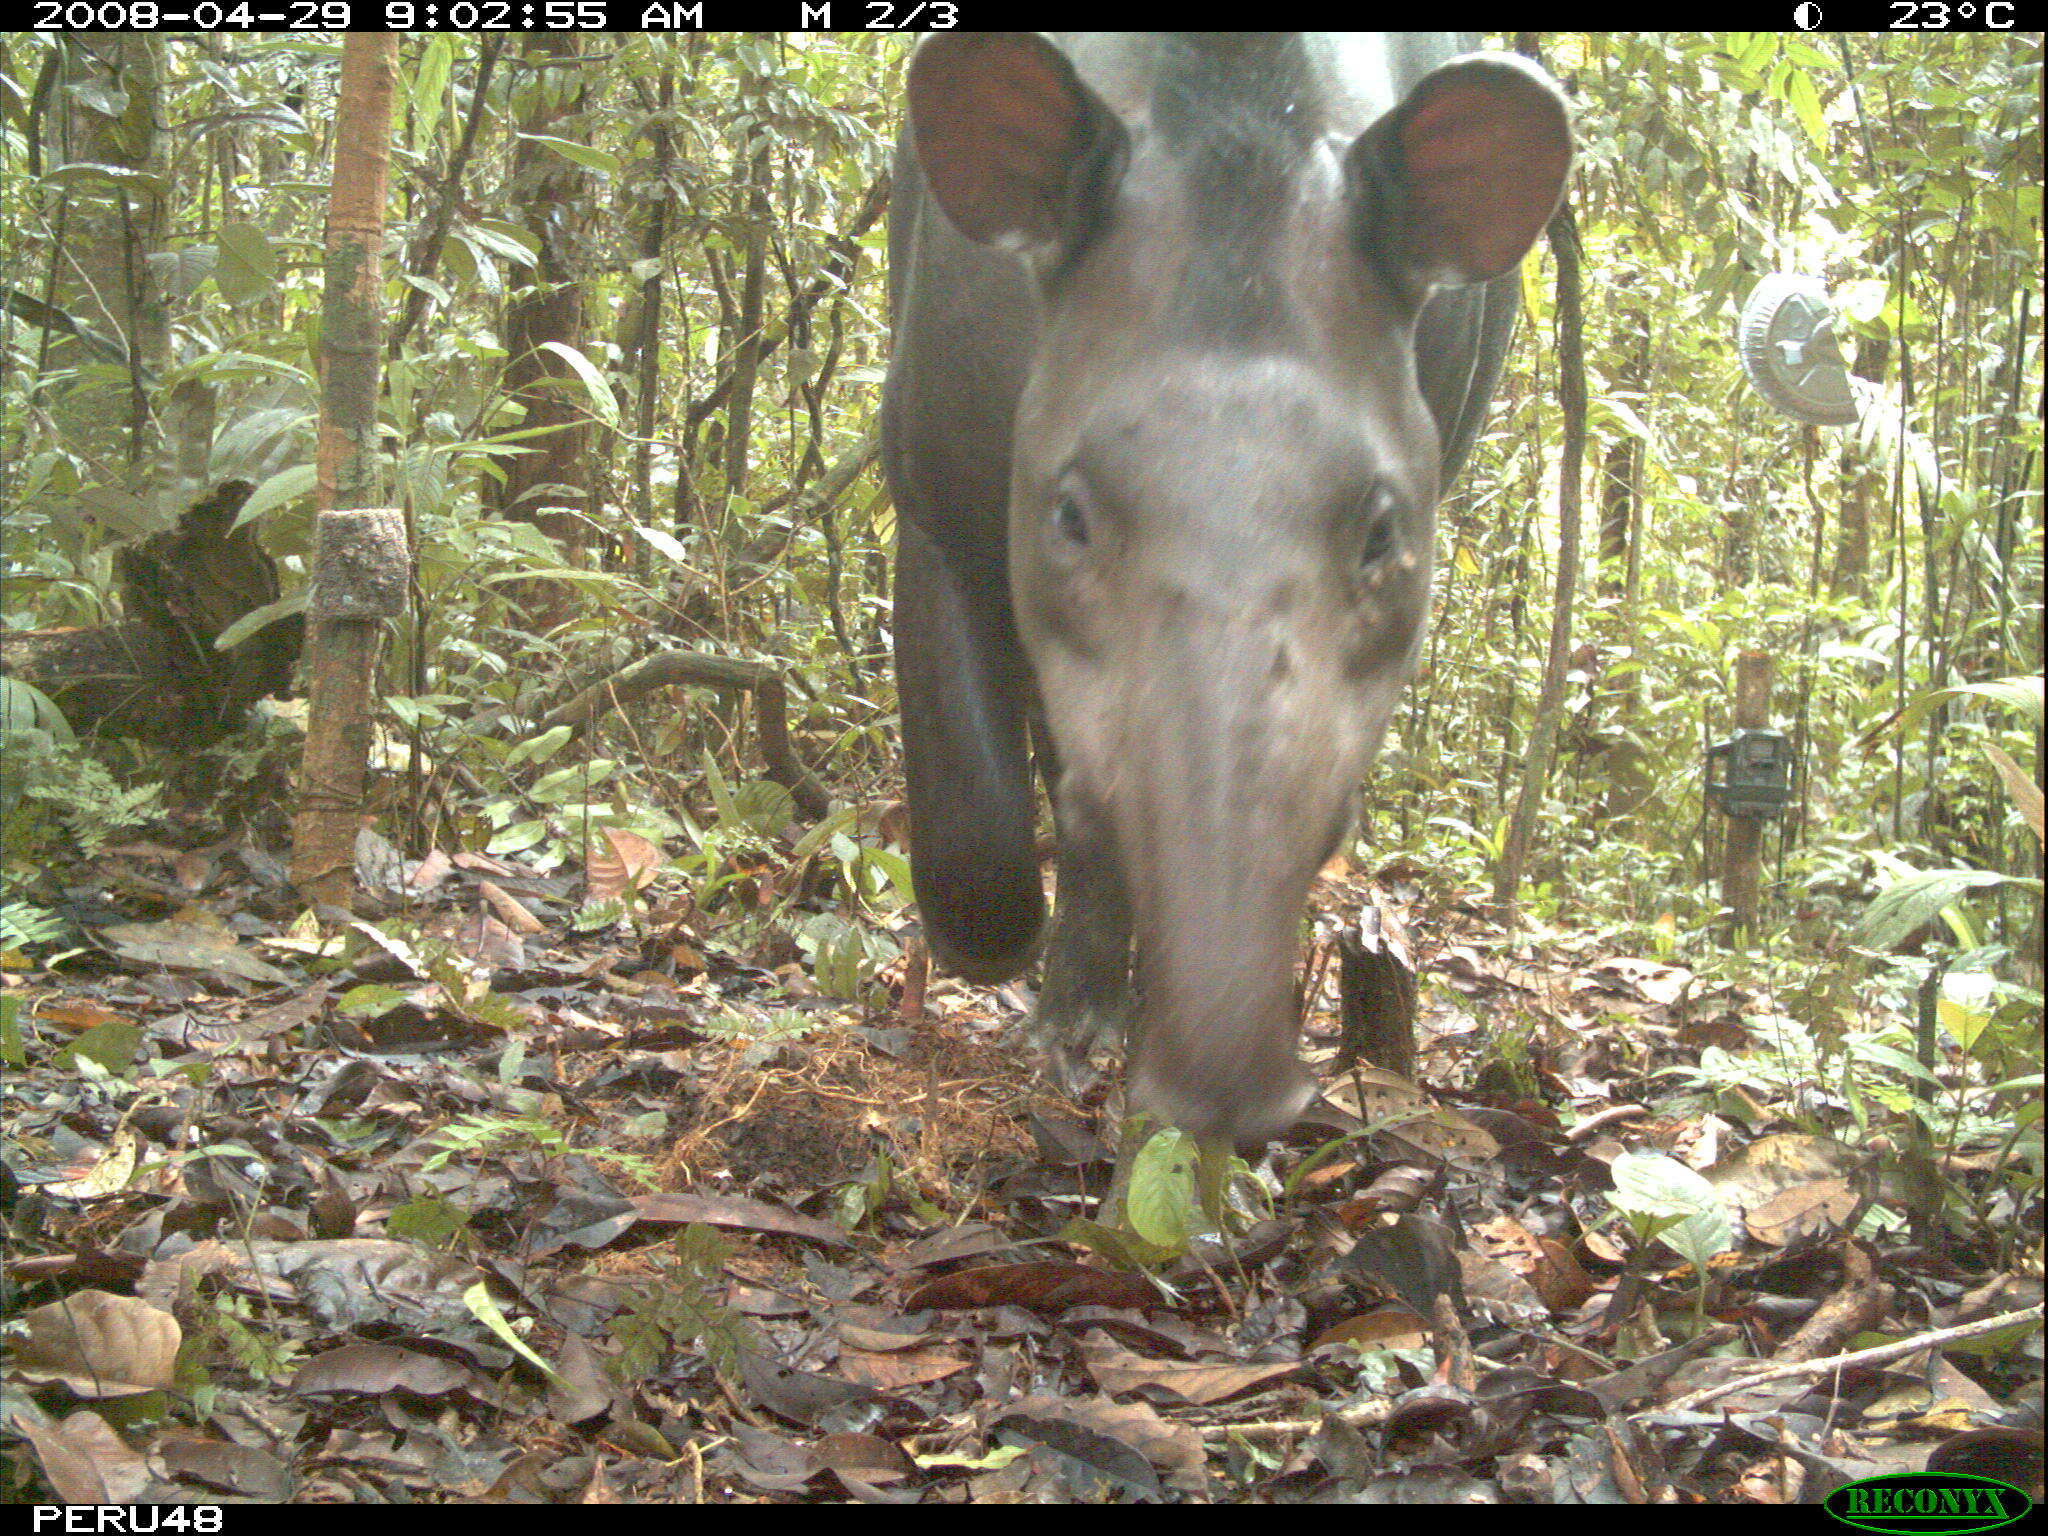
1189,334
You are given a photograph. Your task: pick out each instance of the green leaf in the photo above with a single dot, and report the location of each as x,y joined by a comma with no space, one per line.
1652,1185
1126,1250
893,866
478,1299
1698,1237
1623,415
24,707
585,155
603,404
518,837
764,806
1902,908
369,999
665,543
11,1050
82,173
2022,693
576,779
823,833
260,618
539,748
1163,1203
506,240
1805,53
721,796
1806,104
287,485
1964,1006
111,1046
430,99
433,1222
247,268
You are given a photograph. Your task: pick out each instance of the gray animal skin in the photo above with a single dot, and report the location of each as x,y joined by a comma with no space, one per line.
1190,333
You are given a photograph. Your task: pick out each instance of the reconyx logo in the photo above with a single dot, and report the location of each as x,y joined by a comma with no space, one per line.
1947,1502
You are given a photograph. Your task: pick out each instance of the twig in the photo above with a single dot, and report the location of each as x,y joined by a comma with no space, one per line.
1604,1118
1882,1354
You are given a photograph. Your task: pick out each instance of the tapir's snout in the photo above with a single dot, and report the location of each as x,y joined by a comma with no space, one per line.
1226,748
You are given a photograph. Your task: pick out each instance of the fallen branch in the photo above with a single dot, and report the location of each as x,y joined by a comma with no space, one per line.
676,668
1882,1354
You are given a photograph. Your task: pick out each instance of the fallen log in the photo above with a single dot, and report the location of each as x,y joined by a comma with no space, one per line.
674,668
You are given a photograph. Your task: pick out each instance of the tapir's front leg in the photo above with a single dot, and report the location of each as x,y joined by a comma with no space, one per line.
965,693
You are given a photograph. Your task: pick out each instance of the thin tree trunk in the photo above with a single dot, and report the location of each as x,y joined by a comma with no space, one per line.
1571,375
341,651
549,485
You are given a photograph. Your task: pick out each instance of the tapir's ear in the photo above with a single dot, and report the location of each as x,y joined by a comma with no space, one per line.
1455,184
1017,150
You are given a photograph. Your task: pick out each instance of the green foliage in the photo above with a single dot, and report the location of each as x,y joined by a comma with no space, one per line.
779,1024
860,1202
473,1136
482,1134
1660,1199
1655,1194
110,1047
844,957
12,1052
431,1222
50,793
1904,907
1170,1189
680,1310
485,1310
1164,1201
227,1324
23,923
1872,1074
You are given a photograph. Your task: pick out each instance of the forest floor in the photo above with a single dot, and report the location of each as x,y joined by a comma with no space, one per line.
459,1201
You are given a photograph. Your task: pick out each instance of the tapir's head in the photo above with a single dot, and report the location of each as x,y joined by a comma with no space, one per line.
1224,472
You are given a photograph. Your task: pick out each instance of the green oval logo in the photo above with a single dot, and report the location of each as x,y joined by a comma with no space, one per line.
1916,1502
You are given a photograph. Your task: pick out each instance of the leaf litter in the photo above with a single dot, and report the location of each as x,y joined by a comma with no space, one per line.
477,1198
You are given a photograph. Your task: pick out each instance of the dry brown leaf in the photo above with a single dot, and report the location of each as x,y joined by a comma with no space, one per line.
1116,1370
2026,794
887,1372
510,909
246,1470
75,1015
1393,1327
1806,1210
733,1211
85,1461
1049,1286
1389,1102
623,861
376,1368
99,1345
97,1173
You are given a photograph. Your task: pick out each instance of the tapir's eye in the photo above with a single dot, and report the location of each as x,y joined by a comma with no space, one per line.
1380,515
1069,519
